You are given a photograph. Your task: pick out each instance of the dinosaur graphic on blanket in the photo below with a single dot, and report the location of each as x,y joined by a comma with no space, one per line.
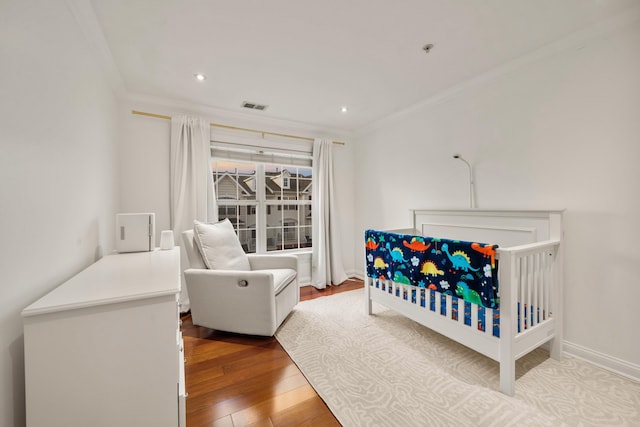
371,245
463,291
416,244
379,263
396,254
459,259
429,268
398,277
488,251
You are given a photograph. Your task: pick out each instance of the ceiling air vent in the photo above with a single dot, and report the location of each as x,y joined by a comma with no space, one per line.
254,106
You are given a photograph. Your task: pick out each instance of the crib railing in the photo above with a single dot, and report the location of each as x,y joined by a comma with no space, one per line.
530,270
485,320
526,293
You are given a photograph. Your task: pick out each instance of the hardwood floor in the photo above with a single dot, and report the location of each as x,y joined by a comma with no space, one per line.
238,380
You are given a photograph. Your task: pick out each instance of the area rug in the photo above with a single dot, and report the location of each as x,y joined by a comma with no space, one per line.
386,370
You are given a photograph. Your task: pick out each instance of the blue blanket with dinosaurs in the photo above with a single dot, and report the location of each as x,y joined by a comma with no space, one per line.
466,270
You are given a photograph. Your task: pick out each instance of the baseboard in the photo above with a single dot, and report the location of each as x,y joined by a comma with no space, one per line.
610,363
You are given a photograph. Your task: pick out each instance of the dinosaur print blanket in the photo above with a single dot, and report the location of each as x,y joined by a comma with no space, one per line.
466,270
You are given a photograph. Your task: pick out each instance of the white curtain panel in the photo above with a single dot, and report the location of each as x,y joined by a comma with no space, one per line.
327,267
191,191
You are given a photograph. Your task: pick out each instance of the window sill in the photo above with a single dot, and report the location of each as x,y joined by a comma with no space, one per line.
304,251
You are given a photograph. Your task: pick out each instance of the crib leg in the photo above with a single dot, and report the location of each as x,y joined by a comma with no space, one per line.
555,348
367,296
508,377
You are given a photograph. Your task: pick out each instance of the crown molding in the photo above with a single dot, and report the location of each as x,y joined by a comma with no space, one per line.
171,106
574,41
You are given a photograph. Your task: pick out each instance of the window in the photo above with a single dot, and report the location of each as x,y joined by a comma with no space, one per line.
268,204
236,199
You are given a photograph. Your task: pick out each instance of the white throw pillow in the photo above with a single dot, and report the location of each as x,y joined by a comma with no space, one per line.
219,246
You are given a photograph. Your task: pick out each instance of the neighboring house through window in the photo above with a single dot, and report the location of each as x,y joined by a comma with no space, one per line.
268,204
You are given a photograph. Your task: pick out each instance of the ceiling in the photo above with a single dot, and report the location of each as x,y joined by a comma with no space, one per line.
306,59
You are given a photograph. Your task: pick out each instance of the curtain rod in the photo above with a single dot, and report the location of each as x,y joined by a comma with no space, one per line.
262,132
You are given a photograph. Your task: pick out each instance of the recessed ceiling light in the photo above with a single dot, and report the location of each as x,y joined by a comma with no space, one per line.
343,109
200,77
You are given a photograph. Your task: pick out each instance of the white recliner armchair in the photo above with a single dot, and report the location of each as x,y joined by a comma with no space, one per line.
233,291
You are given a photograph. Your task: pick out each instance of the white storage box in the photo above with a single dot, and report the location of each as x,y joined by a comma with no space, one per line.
135,232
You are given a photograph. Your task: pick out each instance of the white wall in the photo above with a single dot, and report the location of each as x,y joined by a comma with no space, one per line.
561,131
58,182
144,165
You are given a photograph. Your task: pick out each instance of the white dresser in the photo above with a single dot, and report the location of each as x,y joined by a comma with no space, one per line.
105,349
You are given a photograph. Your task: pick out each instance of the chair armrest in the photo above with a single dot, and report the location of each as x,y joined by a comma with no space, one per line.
225,278
268,262
220,300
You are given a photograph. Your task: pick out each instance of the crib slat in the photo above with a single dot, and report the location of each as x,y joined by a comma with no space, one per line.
449,310
525,291
474,316
539,291
523,296
532,302
544,299
521,268
523,301
541,261
527,297
488,321
538,288
547,284
530,285
529,290
539,314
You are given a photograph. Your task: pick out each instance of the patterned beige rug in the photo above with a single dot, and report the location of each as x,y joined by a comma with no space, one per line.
386,370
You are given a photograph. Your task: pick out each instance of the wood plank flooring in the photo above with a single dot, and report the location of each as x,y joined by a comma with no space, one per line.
238,380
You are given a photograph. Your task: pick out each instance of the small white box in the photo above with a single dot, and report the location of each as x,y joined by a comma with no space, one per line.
135,232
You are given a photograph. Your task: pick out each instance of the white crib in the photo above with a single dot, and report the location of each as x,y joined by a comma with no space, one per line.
530,274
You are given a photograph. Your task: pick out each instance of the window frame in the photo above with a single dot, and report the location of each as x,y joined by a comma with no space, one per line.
264,208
